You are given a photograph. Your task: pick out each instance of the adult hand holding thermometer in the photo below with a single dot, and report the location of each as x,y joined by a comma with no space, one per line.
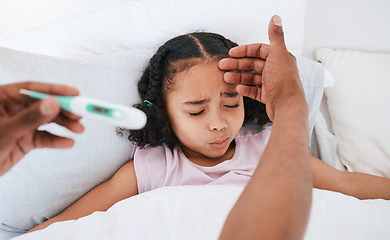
119,115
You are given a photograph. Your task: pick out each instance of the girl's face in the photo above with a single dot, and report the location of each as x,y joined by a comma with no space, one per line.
205,113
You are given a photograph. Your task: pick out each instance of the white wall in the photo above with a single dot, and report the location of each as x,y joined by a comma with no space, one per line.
19,16
357,24
353,24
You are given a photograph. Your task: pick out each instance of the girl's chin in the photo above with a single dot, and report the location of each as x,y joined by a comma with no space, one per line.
211,152
226,152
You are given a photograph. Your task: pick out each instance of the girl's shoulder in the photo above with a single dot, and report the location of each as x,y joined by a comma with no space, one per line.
149,152
150,164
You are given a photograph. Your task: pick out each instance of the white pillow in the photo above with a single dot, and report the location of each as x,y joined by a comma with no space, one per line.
46,181
359,107
149,23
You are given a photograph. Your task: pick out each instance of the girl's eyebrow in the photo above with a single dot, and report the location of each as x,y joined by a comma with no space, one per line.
197,102
203,101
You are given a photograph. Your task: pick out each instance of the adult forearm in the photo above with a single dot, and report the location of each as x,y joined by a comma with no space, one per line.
278,197
283,178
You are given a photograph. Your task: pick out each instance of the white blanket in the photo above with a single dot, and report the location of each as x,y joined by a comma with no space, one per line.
314,79
199,212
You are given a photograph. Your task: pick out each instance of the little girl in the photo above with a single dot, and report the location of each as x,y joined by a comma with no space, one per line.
195,134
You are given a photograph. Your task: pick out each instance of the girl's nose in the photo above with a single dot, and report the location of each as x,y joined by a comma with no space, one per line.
218,123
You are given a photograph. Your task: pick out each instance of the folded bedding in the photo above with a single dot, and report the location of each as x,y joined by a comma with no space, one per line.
199,212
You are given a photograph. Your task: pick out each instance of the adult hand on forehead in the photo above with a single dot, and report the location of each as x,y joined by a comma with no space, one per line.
20,116
264,72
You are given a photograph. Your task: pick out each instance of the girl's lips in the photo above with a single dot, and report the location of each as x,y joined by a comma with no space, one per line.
220,144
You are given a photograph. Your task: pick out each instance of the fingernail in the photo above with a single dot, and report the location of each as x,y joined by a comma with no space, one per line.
277,21
47,107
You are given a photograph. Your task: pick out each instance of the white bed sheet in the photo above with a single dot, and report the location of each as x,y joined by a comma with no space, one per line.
199,212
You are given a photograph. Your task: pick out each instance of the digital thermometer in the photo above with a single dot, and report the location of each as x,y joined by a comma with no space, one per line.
120,115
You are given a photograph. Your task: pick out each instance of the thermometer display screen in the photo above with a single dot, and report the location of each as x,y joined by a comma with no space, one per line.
100,110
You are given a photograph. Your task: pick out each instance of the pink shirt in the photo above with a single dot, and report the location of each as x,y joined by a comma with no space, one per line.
160,167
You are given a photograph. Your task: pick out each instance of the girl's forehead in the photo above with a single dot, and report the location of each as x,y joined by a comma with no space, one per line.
199,80
200,74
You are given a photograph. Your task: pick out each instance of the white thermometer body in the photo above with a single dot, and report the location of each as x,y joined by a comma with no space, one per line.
121,115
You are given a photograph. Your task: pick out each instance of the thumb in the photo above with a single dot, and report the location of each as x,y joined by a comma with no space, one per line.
275,32
34,116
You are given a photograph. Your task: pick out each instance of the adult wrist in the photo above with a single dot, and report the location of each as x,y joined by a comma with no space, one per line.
289,108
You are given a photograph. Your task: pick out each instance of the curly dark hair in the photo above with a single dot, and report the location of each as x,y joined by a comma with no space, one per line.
177,55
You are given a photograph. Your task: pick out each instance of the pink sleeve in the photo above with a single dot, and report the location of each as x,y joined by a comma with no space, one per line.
150,168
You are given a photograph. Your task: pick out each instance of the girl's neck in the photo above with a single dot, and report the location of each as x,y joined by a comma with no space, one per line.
204,161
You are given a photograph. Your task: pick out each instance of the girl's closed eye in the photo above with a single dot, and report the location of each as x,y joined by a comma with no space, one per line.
233,106
227,106
197,113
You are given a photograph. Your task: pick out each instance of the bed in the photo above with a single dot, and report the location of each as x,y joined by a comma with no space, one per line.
102,47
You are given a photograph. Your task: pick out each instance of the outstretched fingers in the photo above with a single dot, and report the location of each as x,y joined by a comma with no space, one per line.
43,139
253,92
12,91
246,78
256,50
247,64
55,89
69,121
242,64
